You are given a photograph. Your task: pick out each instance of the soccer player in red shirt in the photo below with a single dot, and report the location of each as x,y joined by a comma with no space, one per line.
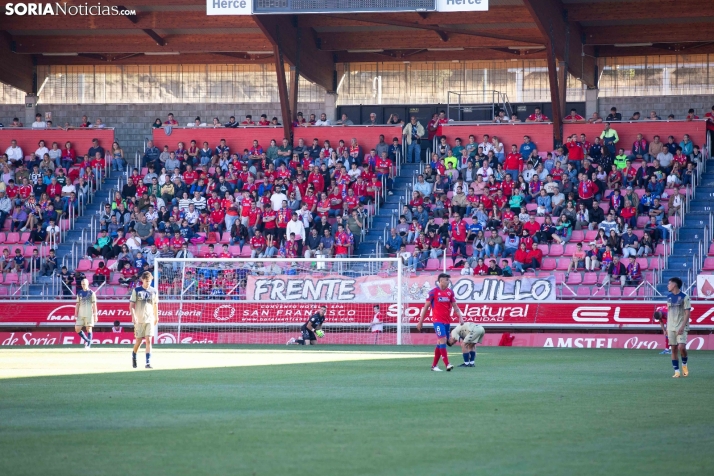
441,301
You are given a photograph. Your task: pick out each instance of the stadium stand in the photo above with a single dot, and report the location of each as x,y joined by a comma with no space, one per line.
242,191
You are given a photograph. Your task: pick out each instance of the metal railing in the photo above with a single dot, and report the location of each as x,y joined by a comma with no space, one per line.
458,103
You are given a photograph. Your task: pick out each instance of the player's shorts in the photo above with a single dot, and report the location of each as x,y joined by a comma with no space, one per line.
679,339
83,321
441,329
307,334
475,337
143,330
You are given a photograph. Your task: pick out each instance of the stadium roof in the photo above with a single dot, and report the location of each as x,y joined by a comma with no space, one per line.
573,33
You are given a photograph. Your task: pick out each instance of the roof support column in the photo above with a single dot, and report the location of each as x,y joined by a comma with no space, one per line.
283,91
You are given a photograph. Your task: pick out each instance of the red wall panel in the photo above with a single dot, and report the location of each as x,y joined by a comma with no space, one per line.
627,131
81,139
242,137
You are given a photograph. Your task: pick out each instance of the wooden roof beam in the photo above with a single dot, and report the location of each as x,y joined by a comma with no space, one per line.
564,38
441,30
15,70
298,46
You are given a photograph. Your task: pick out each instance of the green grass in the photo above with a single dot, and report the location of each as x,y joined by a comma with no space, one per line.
520,411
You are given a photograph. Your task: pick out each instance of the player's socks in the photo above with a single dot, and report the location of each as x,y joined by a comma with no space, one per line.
300,341
675,364
444,354
437,355
467,357
148,358
133,359
473,356
684,360
89,338
82,336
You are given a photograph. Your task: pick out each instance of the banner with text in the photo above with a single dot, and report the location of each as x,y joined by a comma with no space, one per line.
214,313
572,340
339,288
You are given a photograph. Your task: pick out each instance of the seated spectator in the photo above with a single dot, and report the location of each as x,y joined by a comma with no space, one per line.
577,260
615,271
634,273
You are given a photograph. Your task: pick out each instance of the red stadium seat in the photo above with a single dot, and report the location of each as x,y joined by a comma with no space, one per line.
574,279
556,250
13,238
589,279
563,264
548,264
84,265
708,264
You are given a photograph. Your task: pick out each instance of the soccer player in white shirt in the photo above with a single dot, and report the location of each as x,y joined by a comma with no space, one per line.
144,309
469,334
85,312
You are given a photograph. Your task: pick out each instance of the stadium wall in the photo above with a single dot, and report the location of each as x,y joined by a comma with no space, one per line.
133,121
664,105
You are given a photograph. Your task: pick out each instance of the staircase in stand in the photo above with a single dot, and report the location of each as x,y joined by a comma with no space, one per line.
690,249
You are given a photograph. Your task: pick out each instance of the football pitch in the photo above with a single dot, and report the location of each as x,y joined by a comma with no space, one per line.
353,411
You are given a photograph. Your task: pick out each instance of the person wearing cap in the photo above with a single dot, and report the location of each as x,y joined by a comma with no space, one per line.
591,257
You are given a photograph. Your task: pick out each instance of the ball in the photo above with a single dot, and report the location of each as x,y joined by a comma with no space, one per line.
319,333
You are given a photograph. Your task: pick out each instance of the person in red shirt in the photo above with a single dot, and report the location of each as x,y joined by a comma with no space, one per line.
218,215
374,189
480,269
101,275
335,198
342,242
710,115
225,253
458,236
442,302
263,121
532,226
248,121
177,242
161,240
691,116
573,117
513,163
257,245
189,176
269,221
351,201
576,153
316,179
533,259
128,275
24,191
586,190
360,190
384,167
537,116
53,189
282,217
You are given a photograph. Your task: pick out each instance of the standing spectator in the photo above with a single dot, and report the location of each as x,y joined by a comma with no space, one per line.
609,138
413,132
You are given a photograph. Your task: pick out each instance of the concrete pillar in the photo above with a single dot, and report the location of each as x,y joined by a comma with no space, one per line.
30,109
331,106
591,103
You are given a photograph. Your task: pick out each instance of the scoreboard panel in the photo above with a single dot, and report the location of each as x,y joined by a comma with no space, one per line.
292,7
341,6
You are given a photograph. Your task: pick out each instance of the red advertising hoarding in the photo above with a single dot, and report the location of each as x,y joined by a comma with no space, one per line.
526,339
588,314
